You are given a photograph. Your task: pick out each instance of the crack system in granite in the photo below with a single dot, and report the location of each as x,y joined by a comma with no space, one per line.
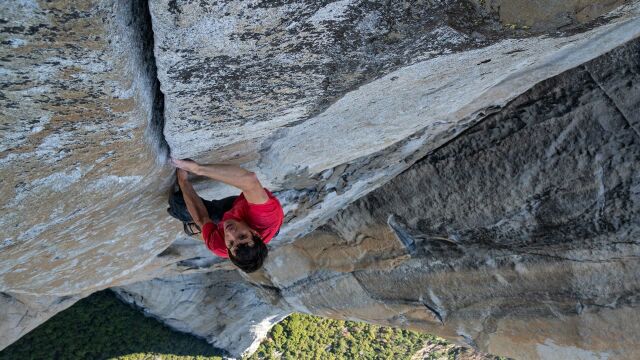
155,127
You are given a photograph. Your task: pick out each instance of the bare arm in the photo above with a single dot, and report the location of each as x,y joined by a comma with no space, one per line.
233,175
195,206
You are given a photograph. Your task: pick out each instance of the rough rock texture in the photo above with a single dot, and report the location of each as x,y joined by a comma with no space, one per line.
525,228
23,313
446,83
221,307
519,221
522,232
233,72
80,188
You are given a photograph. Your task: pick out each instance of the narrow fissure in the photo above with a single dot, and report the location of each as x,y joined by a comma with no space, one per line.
141,18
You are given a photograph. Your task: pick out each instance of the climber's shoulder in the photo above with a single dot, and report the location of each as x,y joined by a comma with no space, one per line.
253,190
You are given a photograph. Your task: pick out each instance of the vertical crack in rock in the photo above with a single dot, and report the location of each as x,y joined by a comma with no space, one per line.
142,23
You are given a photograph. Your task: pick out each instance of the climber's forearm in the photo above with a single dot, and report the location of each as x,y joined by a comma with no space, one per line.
195,206
232,175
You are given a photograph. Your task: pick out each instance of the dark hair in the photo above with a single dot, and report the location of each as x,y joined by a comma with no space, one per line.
250,258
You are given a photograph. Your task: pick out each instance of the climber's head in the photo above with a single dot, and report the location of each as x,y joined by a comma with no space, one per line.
245,247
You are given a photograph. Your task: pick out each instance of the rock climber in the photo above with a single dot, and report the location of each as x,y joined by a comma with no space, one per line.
236,227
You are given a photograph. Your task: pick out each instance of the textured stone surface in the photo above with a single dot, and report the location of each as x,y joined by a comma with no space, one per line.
233,72
23,313
526,228
81,200
366,133
328,101
78,192
525,232
227,311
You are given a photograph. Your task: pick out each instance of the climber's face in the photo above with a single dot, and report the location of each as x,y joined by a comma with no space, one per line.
237,233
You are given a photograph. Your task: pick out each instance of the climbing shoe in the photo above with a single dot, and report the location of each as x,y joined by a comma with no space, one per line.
191,228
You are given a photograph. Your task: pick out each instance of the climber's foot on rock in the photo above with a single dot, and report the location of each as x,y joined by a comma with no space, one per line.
191,228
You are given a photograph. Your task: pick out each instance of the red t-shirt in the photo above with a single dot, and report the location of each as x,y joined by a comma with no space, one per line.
265,218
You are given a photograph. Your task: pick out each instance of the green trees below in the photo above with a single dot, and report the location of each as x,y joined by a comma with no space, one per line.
301,337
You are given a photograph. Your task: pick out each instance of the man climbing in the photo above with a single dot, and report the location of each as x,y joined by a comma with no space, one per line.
237,227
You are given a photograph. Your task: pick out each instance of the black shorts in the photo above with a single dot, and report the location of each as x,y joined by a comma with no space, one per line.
215,208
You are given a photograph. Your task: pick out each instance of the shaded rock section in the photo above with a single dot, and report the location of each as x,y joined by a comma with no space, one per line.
525,229
541,15
23,313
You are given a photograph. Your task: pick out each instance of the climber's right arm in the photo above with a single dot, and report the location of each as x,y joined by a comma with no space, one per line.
195,206
233,175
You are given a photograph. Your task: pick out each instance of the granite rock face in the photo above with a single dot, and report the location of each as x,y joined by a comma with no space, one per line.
446,84
233,72
79,181
442,167
519,237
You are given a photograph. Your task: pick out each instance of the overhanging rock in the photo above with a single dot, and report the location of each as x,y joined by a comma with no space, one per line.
526,229
243,84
